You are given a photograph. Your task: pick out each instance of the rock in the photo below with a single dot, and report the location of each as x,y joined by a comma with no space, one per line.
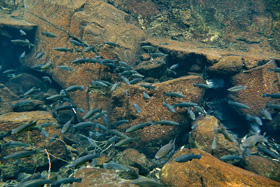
258,81
99,177
94,23
228,65
262,166
154,136
154,69
202,138
6,96
209,171
27,105
35,138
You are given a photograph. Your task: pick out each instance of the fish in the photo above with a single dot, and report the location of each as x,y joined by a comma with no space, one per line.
214,144
21,154
166,122
47,65
135,81
268,152
204,86
37,182
125,80
137,108
266,114
148,47
124,64
158,54
47,79
227,135
25,42
185,104
13,144
118,133
174,66
149,86
22,55
166,149
10,71
230,157
75,88
89,48
62,181
22,33
138,126
236,88
238,105
137,75
146,96
115,85
114,165
63,49
75,42
251,141
98,83
31,91
187,157
80,60
274,106
23,127
91,141
83,160
194,126
273,69
66,126
91,113
120,122
40,55
49,34
56,97
84,124
65,107
98,115
126,141
112,44
201,110
174,94
254,118
272,95
168,106
144,181
191,114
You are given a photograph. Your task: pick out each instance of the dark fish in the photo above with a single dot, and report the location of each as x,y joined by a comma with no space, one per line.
158,54
46,65
148,47
137,108
23,42
168,106
275,106
12,144
75,42
31,91
47,79
39,55
66,181
125,80
75,88
136,80
266,114
65,68
83,160
98,83
120,122
112,44
117,84
80,60
126,141
89,48
63,49
273,69
96,116
21,154
185,104
124,64
227,135
49,34
146,182
191,114
10,71
137,75
253,140
91,113
114,165
268,152
239,105
254,118
187,157
56,97
204,86
84,124
23,127
65,107
66,126
37,182
166,122
174,94
148,86
138,126
230,157
273,95
118,133
165,150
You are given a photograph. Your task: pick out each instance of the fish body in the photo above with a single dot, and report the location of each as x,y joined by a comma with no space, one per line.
65,68
12,144
146,182
137,108
275,106
126,141
66,181
146,96
46,65
117,84
32,90
226,134
23,42
63,49
191,114
23,127
112,44
169,107
236,88
148,47
124,64
21,154
65,107
91,113
273,69
138,126
187,157
84,124
83,160
238,105
174,94
185,104
165,150
158,54
251,141
22,33
272,95
114,165
37,182
75,42
66,126
230,157
166,122
120,122
75,88
118,133
47,79
266,114
89,48
254,118
98,115
204,86
49,34
214,144
40,55
148,86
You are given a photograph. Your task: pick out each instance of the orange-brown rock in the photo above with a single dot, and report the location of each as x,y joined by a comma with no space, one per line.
262,166
209,171
228,65
93,22
100,177
202,138
154,136
6,96
258,81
